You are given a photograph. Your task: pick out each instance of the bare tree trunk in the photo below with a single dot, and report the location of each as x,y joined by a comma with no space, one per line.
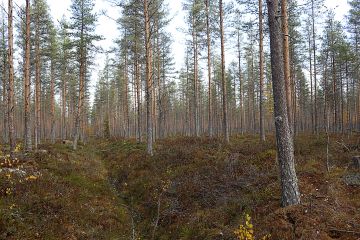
196,84
285,148
148,89
27,112
208,39
261,65
223,80
4,83
52,101
311,82
10,91
37,83
78,115
63,99
126,95
315,70
241,104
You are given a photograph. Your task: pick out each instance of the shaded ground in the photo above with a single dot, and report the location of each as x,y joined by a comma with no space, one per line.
193,188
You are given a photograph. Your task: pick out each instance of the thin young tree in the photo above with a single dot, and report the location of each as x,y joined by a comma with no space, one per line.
290,194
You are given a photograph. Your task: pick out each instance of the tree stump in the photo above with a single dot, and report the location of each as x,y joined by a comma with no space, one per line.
355,163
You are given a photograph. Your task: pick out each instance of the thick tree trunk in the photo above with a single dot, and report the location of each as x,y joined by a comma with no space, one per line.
27,112
289,182
11,110
223,80
148,89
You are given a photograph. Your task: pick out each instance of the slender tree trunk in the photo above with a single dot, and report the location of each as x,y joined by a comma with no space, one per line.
78,115
315,70
223,80
52,101
311,83
196,85
148,89
4,83
261,65
289,183
63,100
27,95
126,94
208,39
37,82
241,104
11,110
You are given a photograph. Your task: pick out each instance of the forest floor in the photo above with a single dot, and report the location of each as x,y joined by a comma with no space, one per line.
192,188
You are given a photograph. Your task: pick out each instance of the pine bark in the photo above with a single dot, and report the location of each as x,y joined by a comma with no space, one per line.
10,91
241,104
286,52
148,89
27,112
315,69
52,101
196,84
37,81
261,66
208,40
223,80
289,183
78,115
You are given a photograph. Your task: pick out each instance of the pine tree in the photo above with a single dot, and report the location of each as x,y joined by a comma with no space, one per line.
289,183
83,22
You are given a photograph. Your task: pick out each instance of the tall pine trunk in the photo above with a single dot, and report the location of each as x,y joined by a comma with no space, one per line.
223,80
261,66
286,52
148,89
290,194
27,112
78,115
52,101
208,40
11,110
37,81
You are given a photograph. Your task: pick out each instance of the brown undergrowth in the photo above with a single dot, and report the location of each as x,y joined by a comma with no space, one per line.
192,188
59,194
200,188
